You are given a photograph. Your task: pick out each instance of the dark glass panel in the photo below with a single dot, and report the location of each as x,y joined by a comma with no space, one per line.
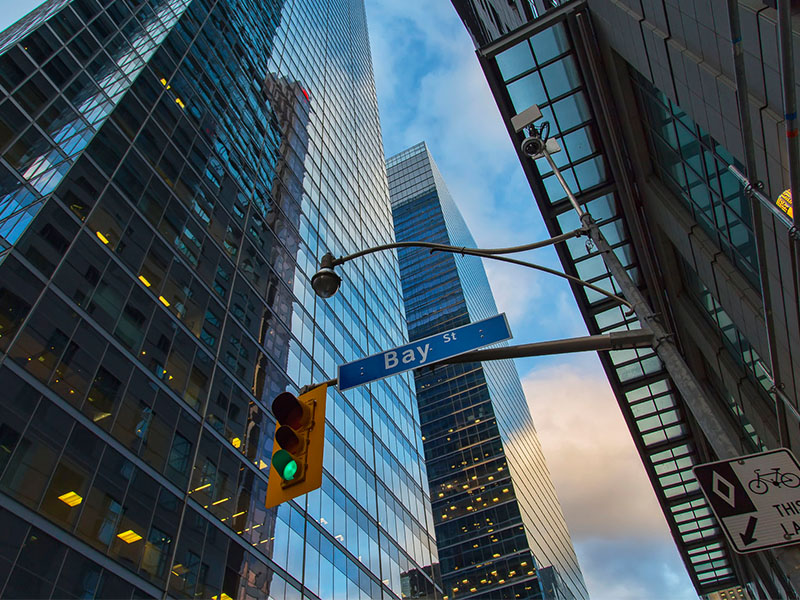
102,27
44,338
11,121
61,68
67,24
78,364
156,555
118,12
18,291
129,115
131,326
41,44
106,391
27,149
9,184
107,148
134,243
59,120
35,457
14,531
84,46
46,241
114,588
160,425
14,67
64,496
79,577
110,296
82,188
23,584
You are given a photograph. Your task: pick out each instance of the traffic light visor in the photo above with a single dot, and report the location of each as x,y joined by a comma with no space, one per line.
288,440
290,411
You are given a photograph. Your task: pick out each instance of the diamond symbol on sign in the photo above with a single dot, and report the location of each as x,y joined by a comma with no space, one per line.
723,488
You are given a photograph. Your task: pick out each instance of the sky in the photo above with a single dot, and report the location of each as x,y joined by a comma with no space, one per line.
430,87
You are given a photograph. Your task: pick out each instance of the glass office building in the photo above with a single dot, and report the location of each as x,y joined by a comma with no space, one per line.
499,526
170,170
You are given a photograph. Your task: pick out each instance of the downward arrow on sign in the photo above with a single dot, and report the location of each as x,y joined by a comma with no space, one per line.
747,536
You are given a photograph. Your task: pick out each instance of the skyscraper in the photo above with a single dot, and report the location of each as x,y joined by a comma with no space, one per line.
499,526
169,172
488,20
650,103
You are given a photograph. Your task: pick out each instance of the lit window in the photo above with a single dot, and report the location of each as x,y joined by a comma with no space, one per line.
129,536
71,498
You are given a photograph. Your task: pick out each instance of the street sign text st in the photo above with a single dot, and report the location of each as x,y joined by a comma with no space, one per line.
427,351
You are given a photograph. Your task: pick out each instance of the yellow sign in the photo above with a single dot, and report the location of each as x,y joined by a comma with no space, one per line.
784,202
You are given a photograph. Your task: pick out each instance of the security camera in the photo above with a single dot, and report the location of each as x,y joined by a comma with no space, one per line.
533,146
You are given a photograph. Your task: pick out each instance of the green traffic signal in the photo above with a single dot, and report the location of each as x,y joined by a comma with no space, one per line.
297,448
286,465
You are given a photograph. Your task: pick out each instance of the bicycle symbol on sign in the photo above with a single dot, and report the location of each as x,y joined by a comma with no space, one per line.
760,485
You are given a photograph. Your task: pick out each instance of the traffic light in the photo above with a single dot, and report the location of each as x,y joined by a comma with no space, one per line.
299,441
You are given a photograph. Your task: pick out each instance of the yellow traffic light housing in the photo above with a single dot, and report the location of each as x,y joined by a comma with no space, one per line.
296,466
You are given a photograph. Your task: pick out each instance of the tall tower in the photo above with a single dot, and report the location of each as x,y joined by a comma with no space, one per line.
499,526
169,172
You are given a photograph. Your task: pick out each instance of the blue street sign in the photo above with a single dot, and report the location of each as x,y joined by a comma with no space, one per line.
426,351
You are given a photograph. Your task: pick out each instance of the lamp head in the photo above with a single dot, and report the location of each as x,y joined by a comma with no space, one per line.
325,282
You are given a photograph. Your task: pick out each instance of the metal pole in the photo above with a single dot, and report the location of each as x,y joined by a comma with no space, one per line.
752,190
781,400
740,79
618,340
789,96
793,154
572,199
695,397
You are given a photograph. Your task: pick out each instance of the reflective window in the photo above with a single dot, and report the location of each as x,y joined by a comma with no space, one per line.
695,167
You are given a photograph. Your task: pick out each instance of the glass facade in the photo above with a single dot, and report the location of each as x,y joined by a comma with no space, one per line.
695,167
170,170
487,20
499,526
743,353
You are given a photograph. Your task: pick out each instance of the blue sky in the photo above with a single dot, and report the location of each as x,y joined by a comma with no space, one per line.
430,87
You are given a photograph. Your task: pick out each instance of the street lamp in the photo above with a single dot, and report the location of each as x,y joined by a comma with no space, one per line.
326,281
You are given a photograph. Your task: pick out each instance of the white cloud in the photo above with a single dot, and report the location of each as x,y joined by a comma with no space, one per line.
620,535
515,290
590,452
633,569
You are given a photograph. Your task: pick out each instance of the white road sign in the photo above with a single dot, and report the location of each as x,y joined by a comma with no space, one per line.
756,498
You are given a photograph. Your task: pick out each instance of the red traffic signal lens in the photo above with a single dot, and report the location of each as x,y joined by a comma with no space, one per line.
290,411
287,439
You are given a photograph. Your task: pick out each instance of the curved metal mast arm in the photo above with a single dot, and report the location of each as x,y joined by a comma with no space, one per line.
445,248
